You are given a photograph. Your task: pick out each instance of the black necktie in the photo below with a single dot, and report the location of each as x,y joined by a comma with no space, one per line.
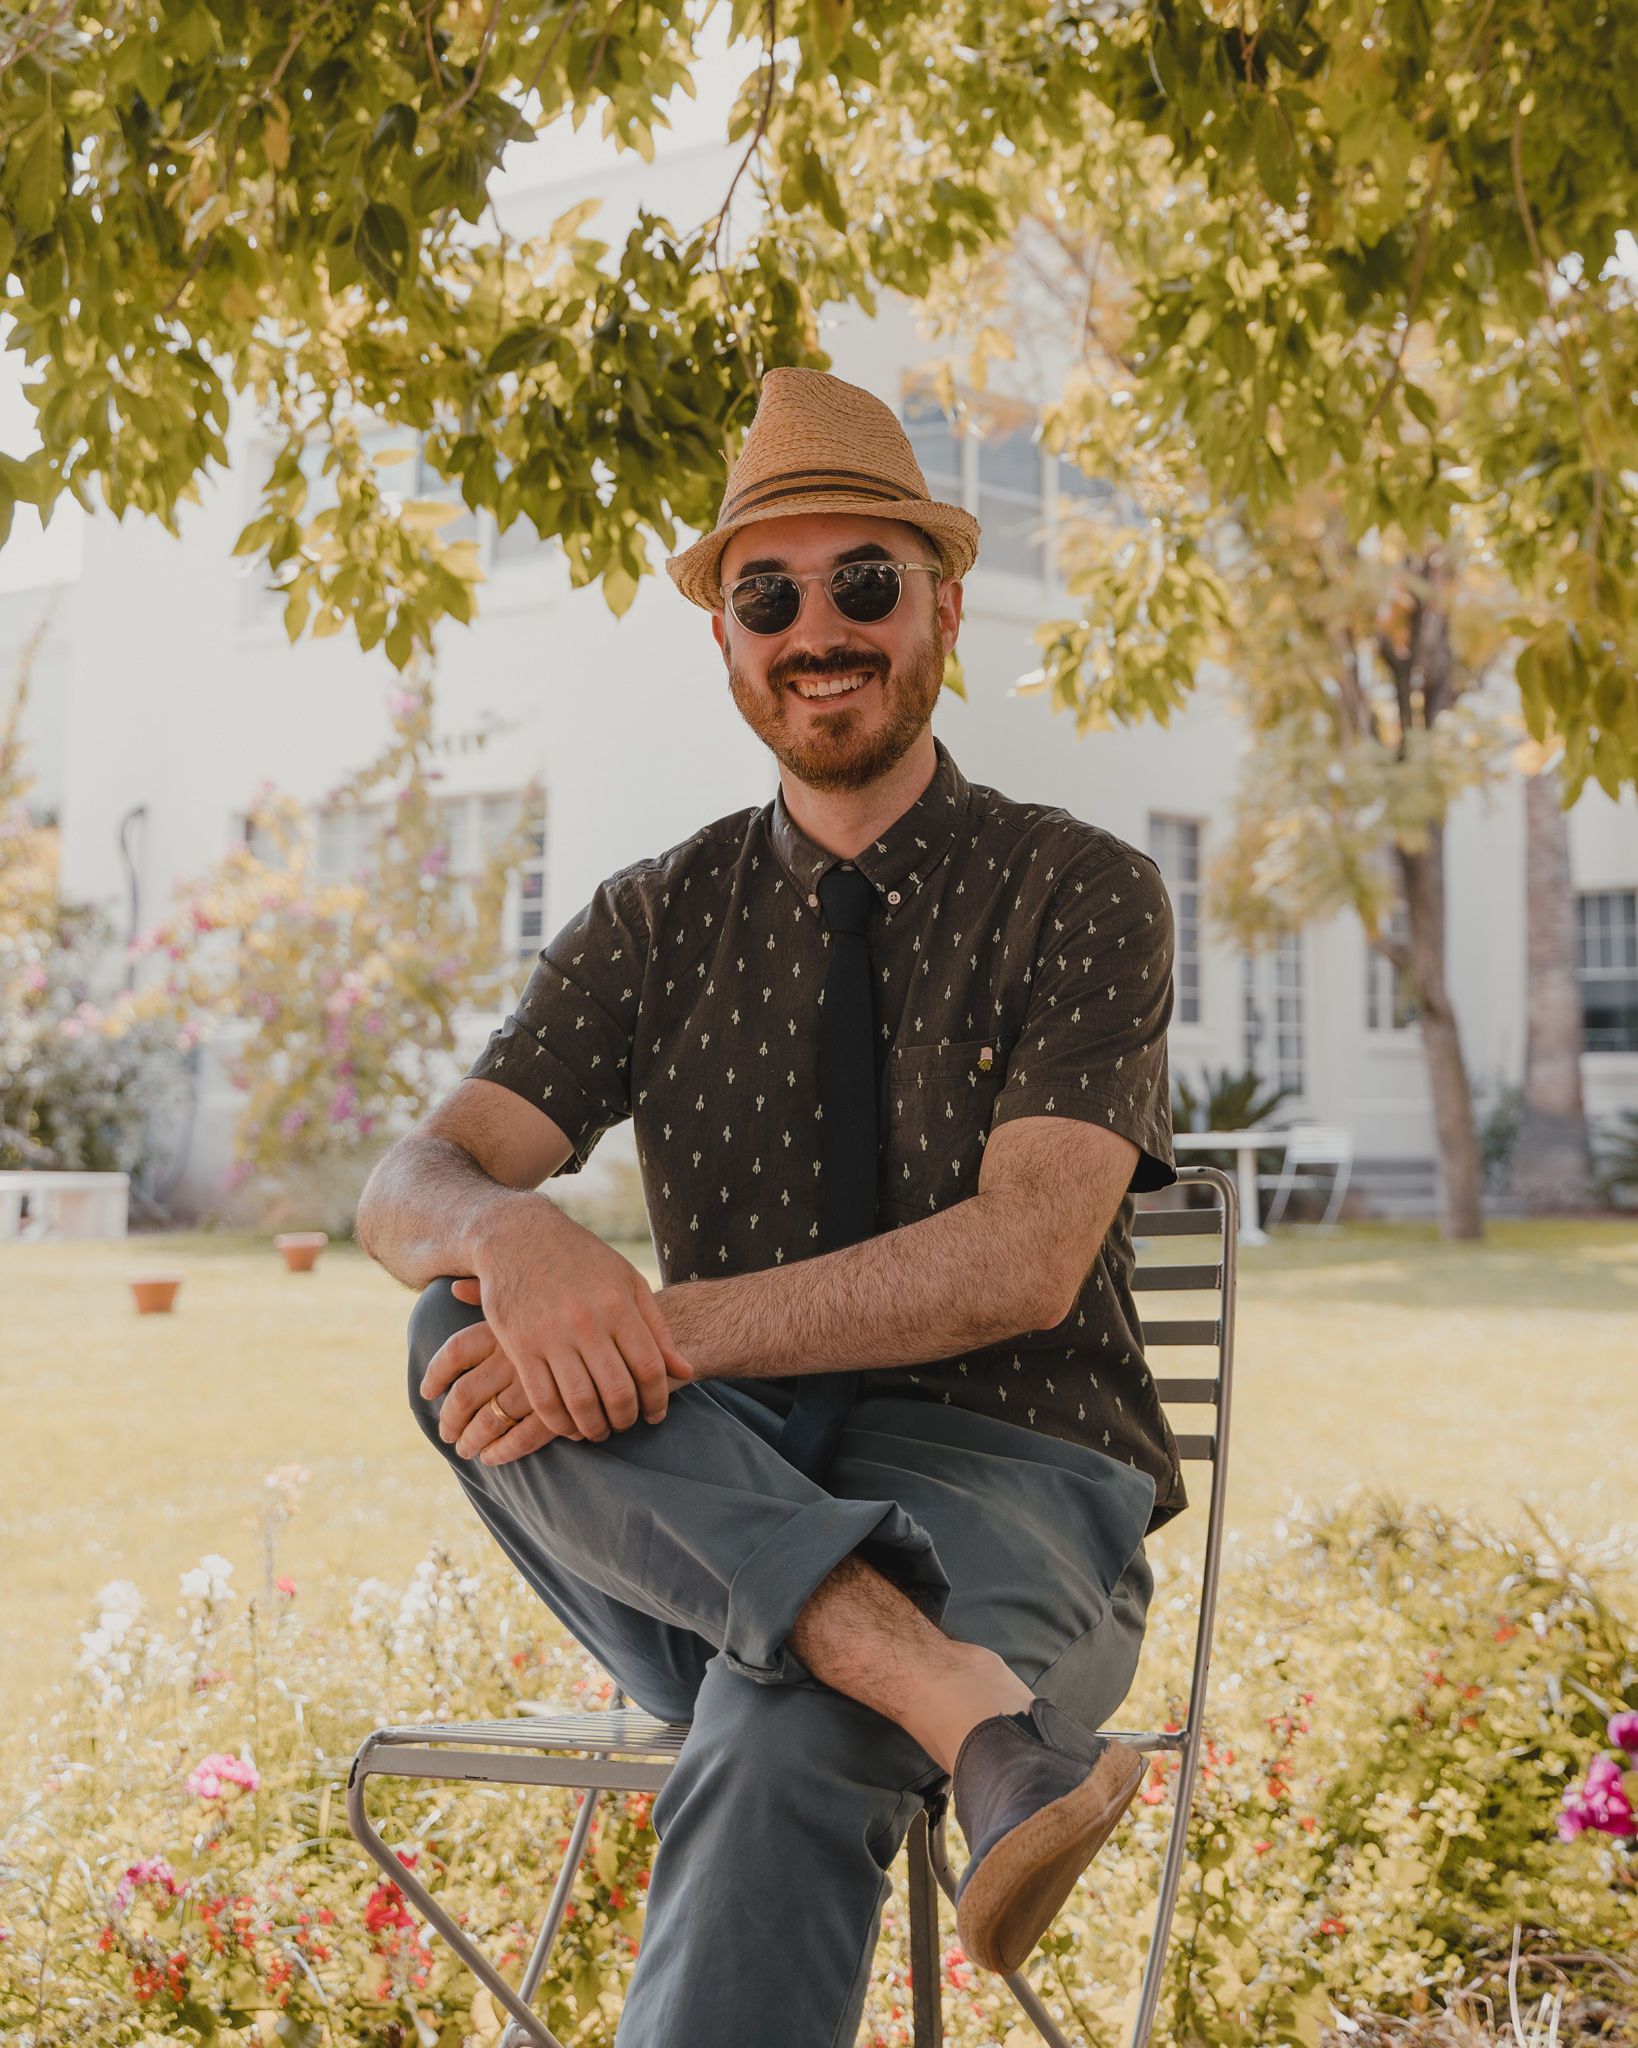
847,1127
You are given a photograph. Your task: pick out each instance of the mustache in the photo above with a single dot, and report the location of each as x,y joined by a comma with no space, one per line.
844,662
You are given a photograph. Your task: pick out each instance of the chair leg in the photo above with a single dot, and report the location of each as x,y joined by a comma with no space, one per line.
928,2018
1339,1186
512,2036
1018,1984
531,2027
1282,1195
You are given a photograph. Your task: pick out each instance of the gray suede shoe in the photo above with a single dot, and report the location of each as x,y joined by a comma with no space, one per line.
1036,1803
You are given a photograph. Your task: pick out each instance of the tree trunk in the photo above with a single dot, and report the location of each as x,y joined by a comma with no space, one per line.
1552,1167
1422,878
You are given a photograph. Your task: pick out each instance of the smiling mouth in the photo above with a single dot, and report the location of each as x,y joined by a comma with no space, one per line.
831,689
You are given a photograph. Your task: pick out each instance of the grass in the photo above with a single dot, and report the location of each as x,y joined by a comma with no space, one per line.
1479,1376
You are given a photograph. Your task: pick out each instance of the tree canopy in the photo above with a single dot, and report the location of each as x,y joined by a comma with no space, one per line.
1370,246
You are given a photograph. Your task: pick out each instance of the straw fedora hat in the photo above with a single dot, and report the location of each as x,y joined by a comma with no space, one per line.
819,444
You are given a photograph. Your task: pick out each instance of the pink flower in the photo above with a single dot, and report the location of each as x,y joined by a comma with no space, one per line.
291,1122
1623,1731
435,860
287,1587
1600,1803
375,1023
151,1871
212,1775
35,979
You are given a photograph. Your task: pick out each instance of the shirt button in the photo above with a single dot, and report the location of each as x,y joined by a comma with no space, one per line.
892,895
813,902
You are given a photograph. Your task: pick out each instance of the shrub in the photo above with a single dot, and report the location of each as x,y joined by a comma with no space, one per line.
1399,1704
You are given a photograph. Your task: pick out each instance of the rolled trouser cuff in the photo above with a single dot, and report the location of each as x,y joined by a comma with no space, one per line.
773,1585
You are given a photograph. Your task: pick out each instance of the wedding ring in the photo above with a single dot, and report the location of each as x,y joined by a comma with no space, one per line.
506,1421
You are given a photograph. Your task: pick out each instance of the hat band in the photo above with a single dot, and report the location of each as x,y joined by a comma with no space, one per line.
800,483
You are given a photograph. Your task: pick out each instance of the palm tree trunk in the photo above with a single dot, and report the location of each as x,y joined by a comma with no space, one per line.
1552,1167
1422,878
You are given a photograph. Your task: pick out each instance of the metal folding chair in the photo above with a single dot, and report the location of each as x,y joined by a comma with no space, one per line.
1324,1146
622,1749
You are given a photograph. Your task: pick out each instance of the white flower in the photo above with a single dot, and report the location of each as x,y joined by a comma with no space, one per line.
209,1580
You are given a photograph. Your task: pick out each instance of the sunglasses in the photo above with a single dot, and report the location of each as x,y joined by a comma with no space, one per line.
865,592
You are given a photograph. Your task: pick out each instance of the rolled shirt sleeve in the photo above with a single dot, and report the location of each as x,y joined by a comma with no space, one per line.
1093,1044
567,1045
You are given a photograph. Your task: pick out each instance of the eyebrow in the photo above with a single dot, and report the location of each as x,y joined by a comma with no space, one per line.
770,565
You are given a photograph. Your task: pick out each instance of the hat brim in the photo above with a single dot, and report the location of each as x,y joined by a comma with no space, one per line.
953,531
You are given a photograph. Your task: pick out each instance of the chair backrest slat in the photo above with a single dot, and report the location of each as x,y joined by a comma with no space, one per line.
1186,1390
1177,1223
1178,1279
1182,1333
1204,1448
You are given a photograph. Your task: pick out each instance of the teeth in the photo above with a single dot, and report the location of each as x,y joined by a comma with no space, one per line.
834,687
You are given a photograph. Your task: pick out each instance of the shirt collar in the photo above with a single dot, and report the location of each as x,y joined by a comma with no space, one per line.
903,856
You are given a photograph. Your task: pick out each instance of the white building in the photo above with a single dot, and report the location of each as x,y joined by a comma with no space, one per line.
167,692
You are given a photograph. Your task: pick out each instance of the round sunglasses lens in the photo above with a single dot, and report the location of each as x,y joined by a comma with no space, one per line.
865,590
767,604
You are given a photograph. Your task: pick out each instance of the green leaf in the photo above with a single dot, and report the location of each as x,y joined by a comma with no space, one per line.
1275,150
382,244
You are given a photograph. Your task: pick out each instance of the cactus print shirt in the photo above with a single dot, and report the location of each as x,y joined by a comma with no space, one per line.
1023,963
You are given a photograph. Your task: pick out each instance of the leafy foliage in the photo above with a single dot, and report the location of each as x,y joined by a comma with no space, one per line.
82,1083
347,992
1368,249
1400,1704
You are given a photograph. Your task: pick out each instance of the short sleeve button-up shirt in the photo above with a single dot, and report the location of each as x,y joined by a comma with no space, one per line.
1023,968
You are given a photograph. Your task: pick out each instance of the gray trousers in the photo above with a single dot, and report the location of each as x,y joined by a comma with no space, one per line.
681,1553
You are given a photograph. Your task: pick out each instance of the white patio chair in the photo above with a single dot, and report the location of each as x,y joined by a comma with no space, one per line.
1320,1146
622,1749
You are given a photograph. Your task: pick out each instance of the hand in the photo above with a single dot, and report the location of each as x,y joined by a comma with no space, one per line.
485,1378
576,1324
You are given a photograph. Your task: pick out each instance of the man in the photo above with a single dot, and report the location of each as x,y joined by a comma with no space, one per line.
894,1048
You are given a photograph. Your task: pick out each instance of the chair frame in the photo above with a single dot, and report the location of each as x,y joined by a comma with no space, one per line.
622,1749
1340,1159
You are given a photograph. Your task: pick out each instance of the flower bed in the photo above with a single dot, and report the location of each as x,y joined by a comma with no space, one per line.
1401,1710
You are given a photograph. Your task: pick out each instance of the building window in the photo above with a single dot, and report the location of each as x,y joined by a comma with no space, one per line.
347,842
1390,991
1607,968
939,444
1273,1023
1011,502
1175,844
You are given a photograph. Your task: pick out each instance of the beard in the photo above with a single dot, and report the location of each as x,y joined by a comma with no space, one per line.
852,746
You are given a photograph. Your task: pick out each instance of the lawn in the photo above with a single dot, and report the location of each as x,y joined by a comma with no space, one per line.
1480,1376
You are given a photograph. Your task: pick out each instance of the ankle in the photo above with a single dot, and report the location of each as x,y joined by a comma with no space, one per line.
973,1688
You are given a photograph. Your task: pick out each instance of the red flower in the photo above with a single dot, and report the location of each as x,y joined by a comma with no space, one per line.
617,1899
1332,1927
385,1909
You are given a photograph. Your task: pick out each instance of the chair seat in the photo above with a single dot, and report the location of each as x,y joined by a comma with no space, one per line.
609,1731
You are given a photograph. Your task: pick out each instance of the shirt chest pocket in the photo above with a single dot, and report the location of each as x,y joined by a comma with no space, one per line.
936,1106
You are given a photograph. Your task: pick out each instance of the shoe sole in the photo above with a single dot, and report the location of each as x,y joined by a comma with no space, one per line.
1012,1898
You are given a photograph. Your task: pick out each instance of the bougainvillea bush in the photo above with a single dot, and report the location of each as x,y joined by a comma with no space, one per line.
1401,1710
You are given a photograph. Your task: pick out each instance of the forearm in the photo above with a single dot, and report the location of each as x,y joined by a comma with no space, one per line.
969,1276
428,1207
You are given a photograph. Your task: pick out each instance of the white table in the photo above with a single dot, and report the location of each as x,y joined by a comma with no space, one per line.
63,1205
1245,1145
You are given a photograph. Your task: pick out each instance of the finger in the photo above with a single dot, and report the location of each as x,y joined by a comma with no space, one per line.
485,1425
457,1354
518,1442
469,1393
646,1366
654,1316
467,1291
618,1390
582,1393
546,1399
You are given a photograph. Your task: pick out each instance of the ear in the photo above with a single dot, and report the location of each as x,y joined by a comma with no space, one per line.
719,632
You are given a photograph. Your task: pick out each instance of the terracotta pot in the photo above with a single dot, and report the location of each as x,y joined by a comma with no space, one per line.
155,1293
301,1248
